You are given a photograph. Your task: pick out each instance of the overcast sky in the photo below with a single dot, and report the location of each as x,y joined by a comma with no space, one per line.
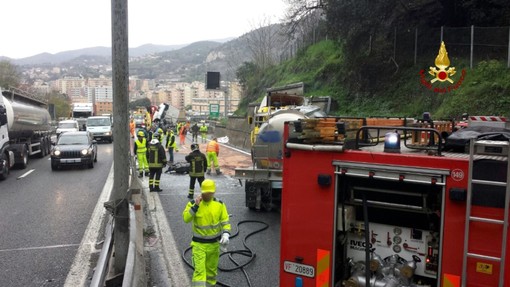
30,27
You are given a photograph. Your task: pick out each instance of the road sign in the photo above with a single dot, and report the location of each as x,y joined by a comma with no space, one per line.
214,110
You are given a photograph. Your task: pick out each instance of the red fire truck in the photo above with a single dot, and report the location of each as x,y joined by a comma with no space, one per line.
384,208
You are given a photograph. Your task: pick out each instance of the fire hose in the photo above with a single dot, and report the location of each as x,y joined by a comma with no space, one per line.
247,252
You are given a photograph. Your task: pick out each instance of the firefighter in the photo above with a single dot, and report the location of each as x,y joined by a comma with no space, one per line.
157,159
198,164
213,150
171,145
140,149
203,132
211,228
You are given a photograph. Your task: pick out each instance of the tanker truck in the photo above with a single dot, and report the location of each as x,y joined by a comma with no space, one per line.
263,181
25,129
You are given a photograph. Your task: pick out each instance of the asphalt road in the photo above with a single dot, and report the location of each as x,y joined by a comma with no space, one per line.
43,217
263,270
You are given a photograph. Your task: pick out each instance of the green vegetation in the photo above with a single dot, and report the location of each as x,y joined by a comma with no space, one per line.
484,90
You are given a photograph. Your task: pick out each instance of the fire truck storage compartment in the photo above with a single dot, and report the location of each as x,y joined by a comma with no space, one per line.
404,225
486,194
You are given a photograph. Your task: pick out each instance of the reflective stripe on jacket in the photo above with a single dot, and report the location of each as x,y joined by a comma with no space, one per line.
198,163
141,147
170,140
210,220
157,156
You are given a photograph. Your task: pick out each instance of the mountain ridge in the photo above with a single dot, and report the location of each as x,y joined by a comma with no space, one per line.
102,51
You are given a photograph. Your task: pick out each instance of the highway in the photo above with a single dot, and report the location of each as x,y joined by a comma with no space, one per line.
43,218
46,217
174,236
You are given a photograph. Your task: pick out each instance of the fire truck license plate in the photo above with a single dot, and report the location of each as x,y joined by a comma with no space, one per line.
299,269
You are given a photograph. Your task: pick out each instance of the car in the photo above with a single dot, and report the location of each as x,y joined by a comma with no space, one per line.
67,126
74,149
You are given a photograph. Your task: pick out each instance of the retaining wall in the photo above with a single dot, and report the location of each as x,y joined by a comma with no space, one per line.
237,130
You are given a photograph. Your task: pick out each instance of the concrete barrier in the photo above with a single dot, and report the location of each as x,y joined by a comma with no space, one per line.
237,130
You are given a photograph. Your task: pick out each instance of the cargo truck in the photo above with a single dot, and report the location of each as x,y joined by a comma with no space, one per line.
81,111
25,129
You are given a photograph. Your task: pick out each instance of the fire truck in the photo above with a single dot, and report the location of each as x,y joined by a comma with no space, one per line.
388,206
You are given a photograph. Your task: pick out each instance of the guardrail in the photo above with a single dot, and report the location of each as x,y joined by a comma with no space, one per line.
135,264
130,269
99,277
101,270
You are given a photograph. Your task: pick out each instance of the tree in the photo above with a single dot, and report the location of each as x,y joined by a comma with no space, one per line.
300,13
145,102
262,43
62,104
9,75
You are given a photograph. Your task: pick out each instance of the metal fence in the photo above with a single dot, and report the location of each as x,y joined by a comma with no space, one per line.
412,46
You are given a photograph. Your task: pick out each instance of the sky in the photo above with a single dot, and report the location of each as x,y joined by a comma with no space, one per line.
31,27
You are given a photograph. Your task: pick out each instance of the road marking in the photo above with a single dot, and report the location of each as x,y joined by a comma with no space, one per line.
172,256
236,149
25,174
80,268
39,247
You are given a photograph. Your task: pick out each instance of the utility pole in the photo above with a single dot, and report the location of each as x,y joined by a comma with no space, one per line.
226,101
121,153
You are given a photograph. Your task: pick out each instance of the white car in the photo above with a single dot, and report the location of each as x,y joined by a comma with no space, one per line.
67,126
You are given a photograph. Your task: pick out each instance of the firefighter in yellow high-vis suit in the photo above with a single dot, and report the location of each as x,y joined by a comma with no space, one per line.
211,228
140,149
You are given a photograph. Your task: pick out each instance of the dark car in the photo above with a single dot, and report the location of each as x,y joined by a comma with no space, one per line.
74,148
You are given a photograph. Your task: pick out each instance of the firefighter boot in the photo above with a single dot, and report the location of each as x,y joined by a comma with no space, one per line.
218,171
208,171
140,174
157,189
190,193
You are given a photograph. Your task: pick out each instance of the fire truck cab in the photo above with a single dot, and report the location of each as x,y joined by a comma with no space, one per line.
379,211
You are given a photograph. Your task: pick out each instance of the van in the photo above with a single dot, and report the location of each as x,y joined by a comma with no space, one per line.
100,127
67,126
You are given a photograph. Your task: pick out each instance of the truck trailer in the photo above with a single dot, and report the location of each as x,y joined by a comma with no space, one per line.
393,209
25,129
263,180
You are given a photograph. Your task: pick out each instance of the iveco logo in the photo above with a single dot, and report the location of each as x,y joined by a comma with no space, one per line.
359,245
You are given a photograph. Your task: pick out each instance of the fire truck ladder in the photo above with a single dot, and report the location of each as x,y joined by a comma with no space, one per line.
499,148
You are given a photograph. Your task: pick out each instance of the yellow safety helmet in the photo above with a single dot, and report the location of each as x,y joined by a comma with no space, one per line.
141,134
208,185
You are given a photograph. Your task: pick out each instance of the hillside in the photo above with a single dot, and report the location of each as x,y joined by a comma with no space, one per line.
184,63
322,67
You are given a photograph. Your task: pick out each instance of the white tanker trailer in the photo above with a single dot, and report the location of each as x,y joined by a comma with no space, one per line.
25,130
263,181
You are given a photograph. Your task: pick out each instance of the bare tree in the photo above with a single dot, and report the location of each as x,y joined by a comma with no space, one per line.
300,13
263,43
